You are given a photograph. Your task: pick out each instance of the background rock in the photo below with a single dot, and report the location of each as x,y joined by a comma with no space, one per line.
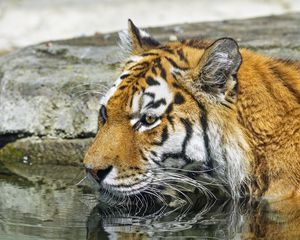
49,92
27,22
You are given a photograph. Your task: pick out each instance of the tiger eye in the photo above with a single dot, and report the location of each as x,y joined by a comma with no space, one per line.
150,119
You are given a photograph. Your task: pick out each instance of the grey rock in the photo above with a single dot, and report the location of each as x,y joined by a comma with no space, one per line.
52,90
45,159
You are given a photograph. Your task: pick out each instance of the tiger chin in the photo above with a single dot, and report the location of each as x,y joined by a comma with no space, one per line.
193,108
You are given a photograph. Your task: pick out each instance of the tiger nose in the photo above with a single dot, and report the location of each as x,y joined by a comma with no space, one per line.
99,174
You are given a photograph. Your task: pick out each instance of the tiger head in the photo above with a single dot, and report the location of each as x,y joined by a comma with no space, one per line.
173,106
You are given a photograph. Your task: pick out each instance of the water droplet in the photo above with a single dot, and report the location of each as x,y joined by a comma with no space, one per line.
26,160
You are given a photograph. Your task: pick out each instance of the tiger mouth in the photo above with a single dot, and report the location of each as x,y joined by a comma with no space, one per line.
162,188
120,190
125,190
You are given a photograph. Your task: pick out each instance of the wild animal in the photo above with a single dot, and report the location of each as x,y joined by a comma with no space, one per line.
198,108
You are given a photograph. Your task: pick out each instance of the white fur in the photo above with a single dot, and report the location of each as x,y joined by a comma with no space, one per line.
136,58
143,33
145,128
134,121
110,178
160,91
195,149
176,71
125,42
140,102
112,90
233,169
173,144
136,102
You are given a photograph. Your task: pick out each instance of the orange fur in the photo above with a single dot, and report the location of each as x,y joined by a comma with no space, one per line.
269,109
266,113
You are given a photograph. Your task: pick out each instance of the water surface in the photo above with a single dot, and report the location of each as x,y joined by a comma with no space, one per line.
38,210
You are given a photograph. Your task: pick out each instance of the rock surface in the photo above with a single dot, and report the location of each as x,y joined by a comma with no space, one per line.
49,92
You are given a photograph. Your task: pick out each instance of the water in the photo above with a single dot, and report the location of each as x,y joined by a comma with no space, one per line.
37,210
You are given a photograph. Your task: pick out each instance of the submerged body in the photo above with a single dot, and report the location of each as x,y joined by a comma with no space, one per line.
211,108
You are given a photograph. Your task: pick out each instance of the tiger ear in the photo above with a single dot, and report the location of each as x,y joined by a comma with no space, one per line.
218,67
136,41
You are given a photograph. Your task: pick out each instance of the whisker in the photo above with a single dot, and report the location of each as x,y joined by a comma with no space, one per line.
180,178
83,179
189,171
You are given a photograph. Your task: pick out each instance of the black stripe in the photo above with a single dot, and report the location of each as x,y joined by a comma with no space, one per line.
136,33
178,155
165,156
156,104
171,120
128,62
143,155
203,121
135,66
160,67
164,137
167,49
152,82
140,75
181,155
175,85
124,76
163,73
269,88
139,66
137,125
174,64
103,114
153,153
280,76
122,87
152,95
134,90
150,41
189,131
182,56
131,100
169,109
179,99
174,76
156,162
153,70
149,54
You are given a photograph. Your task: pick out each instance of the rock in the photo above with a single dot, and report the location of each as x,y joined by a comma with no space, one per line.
49,92
45,159
55,151
54,90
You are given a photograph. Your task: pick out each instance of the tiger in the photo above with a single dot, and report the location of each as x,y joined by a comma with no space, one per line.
223,112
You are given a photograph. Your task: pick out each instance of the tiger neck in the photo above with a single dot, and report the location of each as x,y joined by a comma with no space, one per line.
227,149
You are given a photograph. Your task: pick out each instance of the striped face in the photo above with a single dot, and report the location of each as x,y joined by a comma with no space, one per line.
151,123
147,122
